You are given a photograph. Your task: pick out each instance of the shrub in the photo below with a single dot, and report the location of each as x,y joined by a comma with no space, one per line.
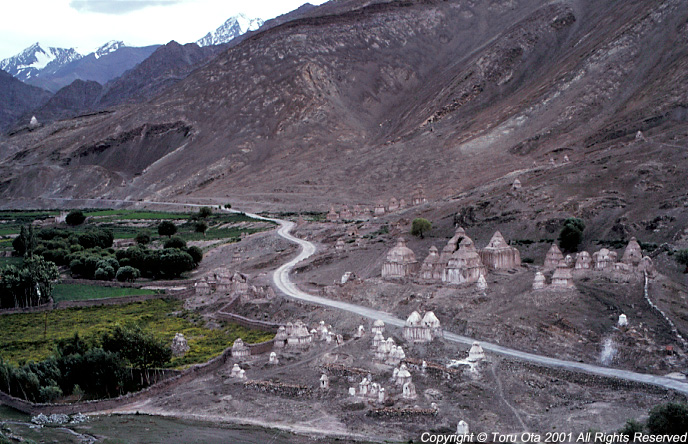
631,428
142,238
128,274
167,228
681,256
104,273
420,226
204,212
175,242
201,227
196,253
571,234
75,217
668,419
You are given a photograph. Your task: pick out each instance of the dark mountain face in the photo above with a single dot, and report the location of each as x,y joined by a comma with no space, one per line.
18,98
99,69
166,66
76,98
452,95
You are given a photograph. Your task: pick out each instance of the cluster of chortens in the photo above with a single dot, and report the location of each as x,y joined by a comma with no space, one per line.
460,262
362,212
425,329
632,265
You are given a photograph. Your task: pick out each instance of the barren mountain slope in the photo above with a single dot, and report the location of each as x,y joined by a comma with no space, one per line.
448,94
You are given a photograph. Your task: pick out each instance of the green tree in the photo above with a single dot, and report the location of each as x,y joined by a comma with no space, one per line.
30,285
75,217
681,256
141,349
175,242
420,226
631,428
196,254
128,274
19,242
571,234
201,227
668,419
167,228
205,212
143,237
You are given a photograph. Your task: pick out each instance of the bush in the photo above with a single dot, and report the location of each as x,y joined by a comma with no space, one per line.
175,242
668,419
420,226
196,253
205,212
75,217
167,228
201,227
143,238
127,274
631,428
104,273
571,234
681,256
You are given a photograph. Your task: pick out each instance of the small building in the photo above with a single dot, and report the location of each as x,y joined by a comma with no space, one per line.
499,255
464,265
562,277
239,349
516,185
604,260
476,353
401,262
553,257
332,215
583,261
431,270
179,345
633,253
539,282
378,326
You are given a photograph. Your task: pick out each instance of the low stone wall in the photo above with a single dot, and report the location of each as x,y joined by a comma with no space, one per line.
388,412
179,295
261,347
341,370
225,314
277,388
432,368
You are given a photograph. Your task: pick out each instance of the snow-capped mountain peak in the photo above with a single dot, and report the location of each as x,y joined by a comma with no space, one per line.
111,46
232,28
35,58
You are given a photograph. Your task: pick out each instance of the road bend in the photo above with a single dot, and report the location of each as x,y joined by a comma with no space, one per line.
283,282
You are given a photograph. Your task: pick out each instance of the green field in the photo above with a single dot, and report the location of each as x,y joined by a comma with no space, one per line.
18,261
77,292
25,336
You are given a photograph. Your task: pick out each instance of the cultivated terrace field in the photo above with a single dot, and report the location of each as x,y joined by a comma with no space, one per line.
33,336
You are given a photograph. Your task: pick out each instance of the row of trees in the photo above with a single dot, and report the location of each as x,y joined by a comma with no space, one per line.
29,285
96,368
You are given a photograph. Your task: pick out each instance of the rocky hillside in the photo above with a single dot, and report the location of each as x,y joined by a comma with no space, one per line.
18,98
452,95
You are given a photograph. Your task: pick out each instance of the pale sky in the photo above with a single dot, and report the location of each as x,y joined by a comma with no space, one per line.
87,24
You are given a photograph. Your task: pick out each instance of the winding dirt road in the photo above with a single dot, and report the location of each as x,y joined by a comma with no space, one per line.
283,282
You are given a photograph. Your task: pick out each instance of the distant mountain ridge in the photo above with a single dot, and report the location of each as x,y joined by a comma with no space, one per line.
35,59
234,27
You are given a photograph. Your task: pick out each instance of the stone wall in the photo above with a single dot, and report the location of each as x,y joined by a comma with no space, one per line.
388,412
341,370
278,388
180,295
225,314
